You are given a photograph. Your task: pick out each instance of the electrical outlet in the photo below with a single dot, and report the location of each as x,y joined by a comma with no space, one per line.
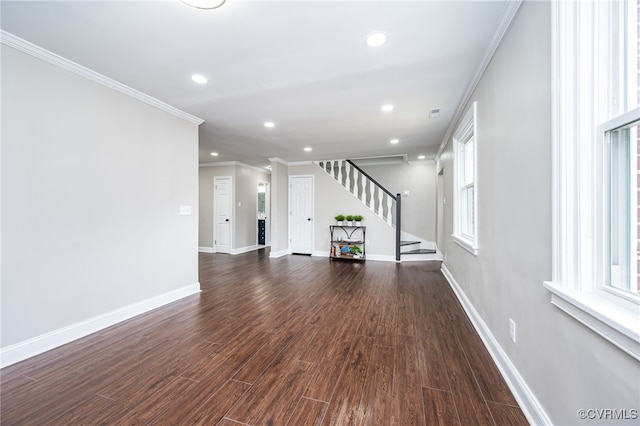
512,330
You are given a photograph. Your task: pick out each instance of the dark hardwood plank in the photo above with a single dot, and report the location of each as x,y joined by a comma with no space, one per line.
376,395
308,412
294,340
213,409
507,414
470,402
440,408
345,407
406,396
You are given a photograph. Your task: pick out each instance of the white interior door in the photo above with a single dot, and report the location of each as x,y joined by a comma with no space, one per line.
222,214
301,214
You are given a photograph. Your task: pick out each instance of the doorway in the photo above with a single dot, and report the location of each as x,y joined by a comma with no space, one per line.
301,209
264,213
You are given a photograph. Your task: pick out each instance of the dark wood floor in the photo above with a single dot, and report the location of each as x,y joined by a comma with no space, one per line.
288,341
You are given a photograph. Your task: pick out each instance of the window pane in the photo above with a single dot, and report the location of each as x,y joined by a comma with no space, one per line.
469,162
468,214
624,224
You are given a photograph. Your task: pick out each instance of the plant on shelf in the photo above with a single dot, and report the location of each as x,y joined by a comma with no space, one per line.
358,218
339,218
349,220
355,251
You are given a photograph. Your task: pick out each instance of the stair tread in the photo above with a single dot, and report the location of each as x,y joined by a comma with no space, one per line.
419,251
408,243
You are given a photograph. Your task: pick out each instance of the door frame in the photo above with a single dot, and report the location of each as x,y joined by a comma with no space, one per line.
313,211
231,212
267,210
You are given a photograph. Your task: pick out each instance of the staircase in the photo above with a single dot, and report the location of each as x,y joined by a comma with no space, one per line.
383,203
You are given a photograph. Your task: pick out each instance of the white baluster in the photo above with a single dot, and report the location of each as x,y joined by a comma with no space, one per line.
380,197
371,200
389,201
347,167
340,172
355,183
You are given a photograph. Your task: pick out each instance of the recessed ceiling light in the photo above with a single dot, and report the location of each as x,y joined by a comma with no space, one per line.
308,149
198,78
204,4
421,157
269,124
387,108
376,39
394,141
214,154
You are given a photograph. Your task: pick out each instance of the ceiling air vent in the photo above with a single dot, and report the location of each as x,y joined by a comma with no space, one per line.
434,112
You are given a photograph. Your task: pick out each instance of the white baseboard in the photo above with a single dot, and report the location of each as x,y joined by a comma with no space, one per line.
244,249
279,253
526,399
378,257
206,250
37,345
381,257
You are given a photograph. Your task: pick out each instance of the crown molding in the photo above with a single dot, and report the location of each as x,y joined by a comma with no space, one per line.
236,164
279,160
300,163
11,40
508,13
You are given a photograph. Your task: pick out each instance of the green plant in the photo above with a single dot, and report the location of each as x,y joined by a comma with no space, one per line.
357,217
339,217
355,250
349,217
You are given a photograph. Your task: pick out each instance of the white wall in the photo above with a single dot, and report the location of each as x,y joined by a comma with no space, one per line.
279,207
244,204
565,365
331,199
206,176
419,208
92,181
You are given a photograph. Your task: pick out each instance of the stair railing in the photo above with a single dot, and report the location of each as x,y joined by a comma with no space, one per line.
366,189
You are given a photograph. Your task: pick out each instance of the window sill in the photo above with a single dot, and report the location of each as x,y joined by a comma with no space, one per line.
465,243
620,326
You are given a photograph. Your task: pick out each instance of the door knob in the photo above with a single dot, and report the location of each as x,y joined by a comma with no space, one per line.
226,220
308,218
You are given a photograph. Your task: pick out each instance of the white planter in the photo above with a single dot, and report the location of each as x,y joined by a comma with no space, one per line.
358,223
339,222
349,223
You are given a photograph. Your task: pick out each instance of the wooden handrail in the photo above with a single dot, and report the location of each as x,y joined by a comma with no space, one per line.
385,190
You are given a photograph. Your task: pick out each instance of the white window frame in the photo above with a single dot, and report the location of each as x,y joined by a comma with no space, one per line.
466,131
578,166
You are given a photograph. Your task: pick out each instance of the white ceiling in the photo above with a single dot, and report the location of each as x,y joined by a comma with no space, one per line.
301,64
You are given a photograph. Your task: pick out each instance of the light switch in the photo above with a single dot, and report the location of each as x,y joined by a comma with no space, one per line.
185,210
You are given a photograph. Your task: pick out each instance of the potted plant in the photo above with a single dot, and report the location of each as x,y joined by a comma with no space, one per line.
355,251
349,220
358,218
339,218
